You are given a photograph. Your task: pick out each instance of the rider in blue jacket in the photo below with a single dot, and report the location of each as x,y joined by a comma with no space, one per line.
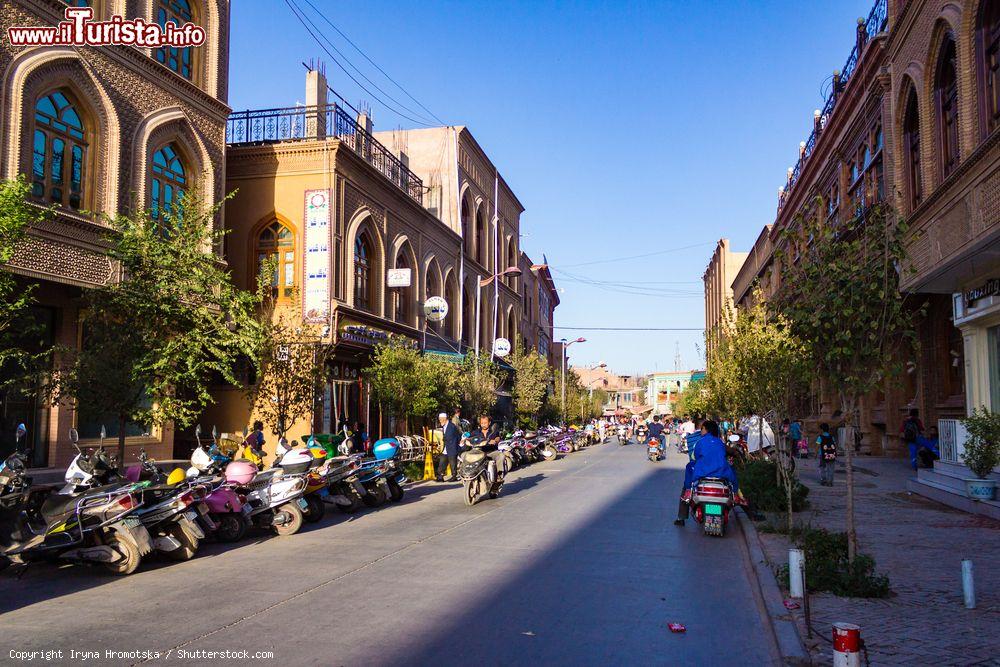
708,460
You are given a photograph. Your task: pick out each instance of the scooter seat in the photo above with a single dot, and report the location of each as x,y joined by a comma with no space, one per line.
56,506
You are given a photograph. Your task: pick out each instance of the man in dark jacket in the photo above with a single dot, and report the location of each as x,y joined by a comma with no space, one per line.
452,444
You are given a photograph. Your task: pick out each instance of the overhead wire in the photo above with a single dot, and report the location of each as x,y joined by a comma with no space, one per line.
306,23
648,254
373,63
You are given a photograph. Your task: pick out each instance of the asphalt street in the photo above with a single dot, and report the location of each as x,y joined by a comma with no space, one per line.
577,563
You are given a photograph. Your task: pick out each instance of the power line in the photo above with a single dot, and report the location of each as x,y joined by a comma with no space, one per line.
648,254
303,19
362,74
629,328
374,64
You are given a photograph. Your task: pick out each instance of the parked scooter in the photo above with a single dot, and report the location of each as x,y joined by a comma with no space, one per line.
94,525
713,501
227,509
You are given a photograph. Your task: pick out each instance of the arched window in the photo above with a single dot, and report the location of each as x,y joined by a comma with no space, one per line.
468,319
988,46
466,227
451,318
511,261
481,245
511,327
177,12
911,150
167,183
946,97
432,288
59,151
404,295
276,242
363,297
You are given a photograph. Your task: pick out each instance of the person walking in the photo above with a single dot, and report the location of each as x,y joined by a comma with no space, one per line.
911,431
827,455
452,439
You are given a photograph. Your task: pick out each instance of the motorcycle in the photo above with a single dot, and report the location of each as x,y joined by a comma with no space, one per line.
713,501
227,509
95,525
275,495
478,473
653,450
622,434
641,431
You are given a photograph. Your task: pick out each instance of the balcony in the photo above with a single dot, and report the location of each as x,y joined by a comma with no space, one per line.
867,29
269,126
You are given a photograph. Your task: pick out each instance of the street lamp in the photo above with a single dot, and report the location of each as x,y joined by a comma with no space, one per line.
566,344
509,271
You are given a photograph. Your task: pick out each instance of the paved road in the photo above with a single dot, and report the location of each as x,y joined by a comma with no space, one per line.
578,563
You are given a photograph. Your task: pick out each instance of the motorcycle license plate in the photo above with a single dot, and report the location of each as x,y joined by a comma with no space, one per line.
191,516
302,503
131,522
713,510
246,509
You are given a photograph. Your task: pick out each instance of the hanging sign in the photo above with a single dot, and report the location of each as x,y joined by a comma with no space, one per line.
435,309
501,347
316,291
397,278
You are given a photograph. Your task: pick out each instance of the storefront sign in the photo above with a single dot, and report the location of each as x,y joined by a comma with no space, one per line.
397,278
316,292
501,347
990,288
363,334
435,309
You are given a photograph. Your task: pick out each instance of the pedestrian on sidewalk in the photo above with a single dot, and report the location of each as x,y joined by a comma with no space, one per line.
452,439
827,455
912,431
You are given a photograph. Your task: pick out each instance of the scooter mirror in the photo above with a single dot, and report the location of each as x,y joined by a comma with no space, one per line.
215,434
104,434
19,433
197,432
74,437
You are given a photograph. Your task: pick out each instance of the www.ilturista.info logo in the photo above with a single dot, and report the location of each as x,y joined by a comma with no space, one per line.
79,30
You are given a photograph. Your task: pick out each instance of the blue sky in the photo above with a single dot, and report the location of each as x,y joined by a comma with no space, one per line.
625,128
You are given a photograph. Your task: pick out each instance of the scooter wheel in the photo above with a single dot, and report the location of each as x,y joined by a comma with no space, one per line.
188,547
355,505
316,509
293,521
470,491
395,491
127,565
232,526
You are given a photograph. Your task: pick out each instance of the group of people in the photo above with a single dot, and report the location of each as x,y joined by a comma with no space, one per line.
486,435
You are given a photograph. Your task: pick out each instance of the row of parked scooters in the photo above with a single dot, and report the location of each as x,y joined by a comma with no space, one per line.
105,517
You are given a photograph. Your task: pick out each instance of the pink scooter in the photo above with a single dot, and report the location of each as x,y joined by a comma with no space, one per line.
227,508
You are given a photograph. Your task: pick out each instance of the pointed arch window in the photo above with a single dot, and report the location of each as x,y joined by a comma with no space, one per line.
481,249
404,295
946,93
363,297
168,181
988,47
177,12
466,227
433,288
59,151
276,242
468,319
911,150
449,296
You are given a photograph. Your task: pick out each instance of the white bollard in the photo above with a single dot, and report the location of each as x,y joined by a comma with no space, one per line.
796,570
968,585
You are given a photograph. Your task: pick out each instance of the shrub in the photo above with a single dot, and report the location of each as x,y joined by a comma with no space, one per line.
827,567
759,483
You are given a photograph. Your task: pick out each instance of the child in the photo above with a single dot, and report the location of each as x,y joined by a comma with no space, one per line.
827,455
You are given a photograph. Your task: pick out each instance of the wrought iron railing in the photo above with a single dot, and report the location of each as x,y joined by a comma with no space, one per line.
266,126
873,25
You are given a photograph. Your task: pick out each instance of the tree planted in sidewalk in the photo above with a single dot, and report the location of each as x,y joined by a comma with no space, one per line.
479,379
174,323
411,384
839,292
531,380
291,368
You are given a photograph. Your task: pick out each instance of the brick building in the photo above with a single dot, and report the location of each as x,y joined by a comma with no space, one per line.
96,131
718,279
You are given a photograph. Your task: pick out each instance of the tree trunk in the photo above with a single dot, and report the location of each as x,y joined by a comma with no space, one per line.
121,442
849,404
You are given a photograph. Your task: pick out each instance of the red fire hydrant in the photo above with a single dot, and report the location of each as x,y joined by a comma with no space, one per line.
846,645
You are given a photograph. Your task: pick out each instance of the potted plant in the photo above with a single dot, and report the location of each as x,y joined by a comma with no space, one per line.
982,452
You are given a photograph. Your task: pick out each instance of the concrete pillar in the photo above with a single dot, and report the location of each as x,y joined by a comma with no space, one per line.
316,103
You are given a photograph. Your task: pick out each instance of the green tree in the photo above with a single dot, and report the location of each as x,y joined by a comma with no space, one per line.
693,399
291,369
531,380
839,292
479,380
411,384
155,340
16,215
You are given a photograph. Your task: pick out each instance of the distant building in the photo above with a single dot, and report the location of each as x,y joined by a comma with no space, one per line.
718,279
664,389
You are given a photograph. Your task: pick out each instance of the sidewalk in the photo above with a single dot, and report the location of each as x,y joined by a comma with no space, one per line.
919,544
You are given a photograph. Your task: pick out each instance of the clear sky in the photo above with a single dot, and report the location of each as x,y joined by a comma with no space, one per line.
625,128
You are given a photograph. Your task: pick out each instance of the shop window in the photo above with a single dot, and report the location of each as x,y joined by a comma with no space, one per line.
168,182
946,93
59,151
177,12
276,242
